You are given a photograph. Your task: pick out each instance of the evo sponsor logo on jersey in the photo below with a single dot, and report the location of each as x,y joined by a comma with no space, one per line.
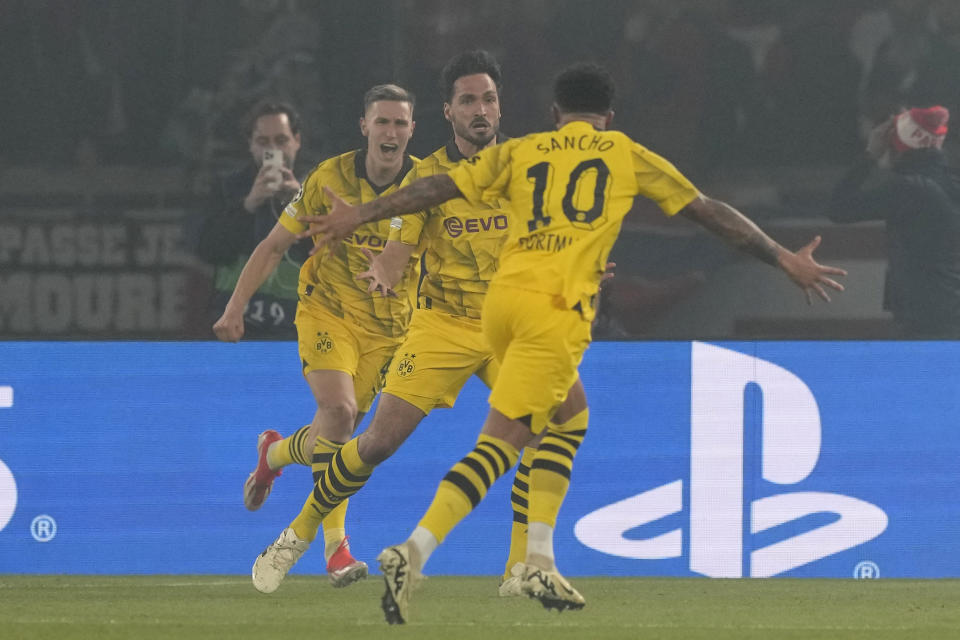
718,507
366,240
455,226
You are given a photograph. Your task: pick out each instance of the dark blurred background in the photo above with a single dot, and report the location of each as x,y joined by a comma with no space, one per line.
118,114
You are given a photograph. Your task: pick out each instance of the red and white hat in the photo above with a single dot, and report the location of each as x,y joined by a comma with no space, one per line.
921,128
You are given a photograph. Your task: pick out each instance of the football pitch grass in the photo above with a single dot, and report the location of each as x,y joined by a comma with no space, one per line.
228,608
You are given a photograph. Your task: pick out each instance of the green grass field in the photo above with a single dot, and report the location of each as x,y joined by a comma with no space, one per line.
228,608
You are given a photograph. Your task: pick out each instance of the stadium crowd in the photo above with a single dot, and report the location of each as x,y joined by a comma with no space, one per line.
784,92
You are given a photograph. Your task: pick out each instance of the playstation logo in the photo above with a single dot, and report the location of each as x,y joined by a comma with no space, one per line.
722,518
8,485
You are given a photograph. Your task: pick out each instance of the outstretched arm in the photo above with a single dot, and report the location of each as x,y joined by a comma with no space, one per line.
343,218
723,220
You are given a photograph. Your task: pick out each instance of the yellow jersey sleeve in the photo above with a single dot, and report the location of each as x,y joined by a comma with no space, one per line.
307,202
659,180
486,176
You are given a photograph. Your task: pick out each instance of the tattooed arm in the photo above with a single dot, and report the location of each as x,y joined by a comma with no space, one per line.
734,227
723,220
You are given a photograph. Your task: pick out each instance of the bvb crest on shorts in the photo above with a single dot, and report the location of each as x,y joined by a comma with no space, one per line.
407,365
324,342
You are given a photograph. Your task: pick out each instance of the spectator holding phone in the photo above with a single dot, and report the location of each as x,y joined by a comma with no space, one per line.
244,208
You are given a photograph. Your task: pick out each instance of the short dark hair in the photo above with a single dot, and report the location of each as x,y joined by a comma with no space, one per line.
584,88
392,92
271,107
467,64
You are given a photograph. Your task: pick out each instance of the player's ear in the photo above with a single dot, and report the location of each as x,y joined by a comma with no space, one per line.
363,127
608,120
555,112
446,111
413,125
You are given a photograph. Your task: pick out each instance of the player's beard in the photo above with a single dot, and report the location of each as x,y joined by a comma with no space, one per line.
478,140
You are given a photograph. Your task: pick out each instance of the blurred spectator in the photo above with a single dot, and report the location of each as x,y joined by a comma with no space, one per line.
280,57
811,82
906,181
894,70
245,207
691,81
938,77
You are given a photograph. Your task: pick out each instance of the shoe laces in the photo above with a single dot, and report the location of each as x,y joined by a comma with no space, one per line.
285,555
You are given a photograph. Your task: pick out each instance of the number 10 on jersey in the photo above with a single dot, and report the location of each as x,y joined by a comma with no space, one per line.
541,175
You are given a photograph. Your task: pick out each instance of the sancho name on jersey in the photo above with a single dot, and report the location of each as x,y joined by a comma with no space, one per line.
569,191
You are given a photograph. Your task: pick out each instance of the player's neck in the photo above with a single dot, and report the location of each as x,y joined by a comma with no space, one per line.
598,121
380,173
469,149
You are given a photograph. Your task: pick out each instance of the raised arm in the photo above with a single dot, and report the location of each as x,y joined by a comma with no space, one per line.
735,228
343,218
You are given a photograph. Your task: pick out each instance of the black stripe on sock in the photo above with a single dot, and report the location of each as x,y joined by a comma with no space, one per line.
573,442
296,451
320,458
552,448
479,469
489,458
342,488
523,470
550,465
320,498
519,500
460,481
520,518
345,473
520,485
330,486
499,451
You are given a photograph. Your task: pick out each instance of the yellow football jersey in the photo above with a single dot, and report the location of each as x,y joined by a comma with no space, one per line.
459,243
330,280
569,191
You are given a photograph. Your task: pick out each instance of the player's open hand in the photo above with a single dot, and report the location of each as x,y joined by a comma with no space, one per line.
808,274
333,227
377,276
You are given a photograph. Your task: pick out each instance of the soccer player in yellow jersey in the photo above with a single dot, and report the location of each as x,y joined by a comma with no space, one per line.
460,243
569,191
346,334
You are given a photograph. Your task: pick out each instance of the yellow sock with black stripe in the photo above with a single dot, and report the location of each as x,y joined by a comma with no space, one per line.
290,450
466,484
343,474
520,501
551,467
